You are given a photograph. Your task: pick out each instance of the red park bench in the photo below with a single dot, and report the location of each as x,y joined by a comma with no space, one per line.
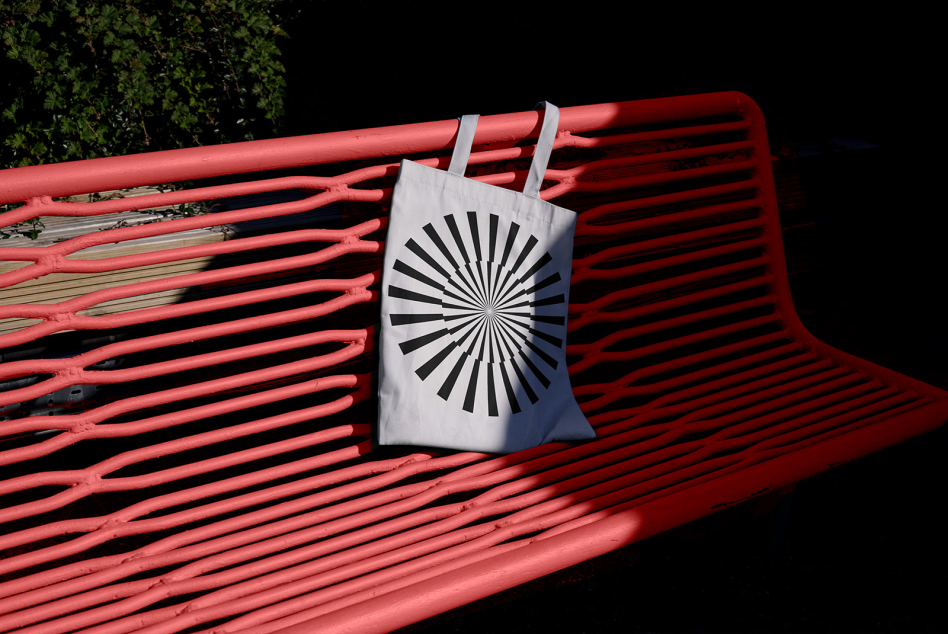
187,376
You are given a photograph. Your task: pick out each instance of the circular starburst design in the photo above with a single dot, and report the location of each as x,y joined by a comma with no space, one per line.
496,306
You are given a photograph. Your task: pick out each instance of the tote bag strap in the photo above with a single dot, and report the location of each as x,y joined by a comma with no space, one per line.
544,148
462,147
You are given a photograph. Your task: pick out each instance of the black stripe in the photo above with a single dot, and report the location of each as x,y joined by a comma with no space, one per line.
511,332
547,319
470,297
536,267
477,336
490,341
550,339
405,319
477,289
466,335
525,291
511,236
555,341
511,397
559,320
506,308
514,228
413,344
430,261
435,361
491,394
473,304
501,292
475,235
503,340
523,254
550,361
527,248
438,243
533,368
508,314
453,227
483,287
401,293
401,267
553,279
471,388
454,307
468,284
493,235
497,280
506,333
523,382
449,382
548,301
480,353
512,297
464,325
453,317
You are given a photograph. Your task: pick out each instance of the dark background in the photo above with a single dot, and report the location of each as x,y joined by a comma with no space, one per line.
847,103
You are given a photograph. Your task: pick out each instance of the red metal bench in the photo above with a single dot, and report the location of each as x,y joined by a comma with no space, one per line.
215,469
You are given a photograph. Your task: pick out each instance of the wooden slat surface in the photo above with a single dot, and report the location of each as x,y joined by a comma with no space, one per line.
60,287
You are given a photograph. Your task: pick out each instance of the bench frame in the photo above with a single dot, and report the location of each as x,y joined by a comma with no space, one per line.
38,185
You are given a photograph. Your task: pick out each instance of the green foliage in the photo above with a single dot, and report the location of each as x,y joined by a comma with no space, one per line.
102,78
30,228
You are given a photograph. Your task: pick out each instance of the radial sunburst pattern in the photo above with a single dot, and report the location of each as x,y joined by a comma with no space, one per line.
484,309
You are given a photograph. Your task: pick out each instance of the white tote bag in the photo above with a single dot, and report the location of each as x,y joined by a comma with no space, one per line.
475,292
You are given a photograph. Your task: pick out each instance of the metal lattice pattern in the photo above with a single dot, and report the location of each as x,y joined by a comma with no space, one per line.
221,473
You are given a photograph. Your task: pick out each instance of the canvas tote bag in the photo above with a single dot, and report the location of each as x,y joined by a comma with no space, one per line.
475,292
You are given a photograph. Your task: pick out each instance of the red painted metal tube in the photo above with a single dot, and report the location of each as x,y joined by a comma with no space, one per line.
731,383
346,589
717,271
102,529
194,617
600,475
615,390
68,179
583,271
647,159
600,356
85,424
570,185
427,598
629,333
590,317
584,222
62,316
842,424
713,384
714,392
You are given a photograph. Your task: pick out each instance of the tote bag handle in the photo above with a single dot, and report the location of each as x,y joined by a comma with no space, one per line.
462,147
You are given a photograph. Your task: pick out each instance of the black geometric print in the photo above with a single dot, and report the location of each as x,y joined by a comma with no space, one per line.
481,310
